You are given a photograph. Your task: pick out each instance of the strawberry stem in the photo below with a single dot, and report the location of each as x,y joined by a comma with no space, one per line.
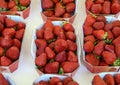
61,71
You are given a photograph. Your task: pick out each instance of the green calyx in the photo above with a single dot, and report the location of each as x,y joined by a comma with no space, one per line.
107,41
105,36
116,62
52,40
61,71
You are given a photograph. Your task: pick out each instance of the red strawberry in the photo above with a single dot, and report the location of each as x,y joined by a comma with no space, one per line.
48,35
116,41
1,51
89,4
116,23
50,53
66,15
20,25
100,34
116,31
48,25
2,18
41,60
11,4
66,80
3,4
109,79
98,25
13,53
55,1
90,58
72,46
73,83
99,1
117,78
109,57
67,1
117,50
99,48
72,56
68,27
4,61
88,46
70,7
1,26
17,43
108,26
69,67
110,35
6,42
9,22
3,81
24,2
71,36
115,8
8,32
52,67
61,36
89,38
40,33
46,4
15,8
96,8
103,63
54,81
61,57
40,51
97,80
59,10
19,34
57,30
88,30
60,45
52,45
41,43
101,19
109,48
106,7
59,83
42,82
48,13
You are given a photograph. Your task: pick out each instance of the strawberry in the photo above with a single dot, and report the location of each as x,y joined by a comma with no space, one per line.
89,38
68,27
40,33
97,80
1,51
20,25
40,51
109,48
48,13
59,83
6,42
41,60
61,57
52,45
1,26
70,7
55,1
46,4
48,35
67,1
42,83
73,83
24,3
116,41
17,43
115,1
117,50
98,25
60,45
99,1
99,48
103,63
88,46
9,22
66,15
72,46
54,81
15,8
5,61
108,57
100,34
61,35
106,7
3,4
101,19
52,67
13,53
72,56
90,58
41,43
70,36
50,53
116,23
66,80
59,10
57,30
110,35
69,67
3,81
88,30
96,8
8,32
116,31
11,4
108,26
19,34
109,79
89,4
115,8
117,78
2,18
48,25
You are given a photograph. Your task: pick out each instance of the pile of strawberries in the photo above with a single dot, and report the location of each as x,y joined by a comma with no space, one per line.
58,8
103,6
14,5
108,79
11,35
3,81
101,41
58,81
56,48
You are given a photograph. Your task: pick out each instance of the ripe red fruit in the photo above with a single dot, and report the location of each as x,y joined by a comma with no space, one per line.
48,35
3,4
20,25
108,26
88,30
116,23
11,4
61,36
101,19
55,1
66,15
68,27
54,81
70,36
115,8
72,56
1,26
48,26
40,33
96,8
117,78
41,43
3,81
89,38
116,31
72,46
50,53
73,83
24,2
67,1
106,7
88,46
48,13
9,22
2,19
70,7
46,4
57,30
110,48
1,51
109,79
19,34
17,43
99,1
89,4
98,25
66,80
5,61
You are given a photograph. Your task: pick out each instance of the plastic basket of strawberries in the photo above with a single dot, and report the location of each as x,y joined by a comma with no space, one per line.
104,7
55,48
101,43
11,34
58,9
15,7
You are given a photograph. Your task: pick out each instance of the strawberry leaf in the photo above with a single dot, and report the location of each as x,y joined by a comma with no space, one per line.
105,36
108,41
117,62
61,71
